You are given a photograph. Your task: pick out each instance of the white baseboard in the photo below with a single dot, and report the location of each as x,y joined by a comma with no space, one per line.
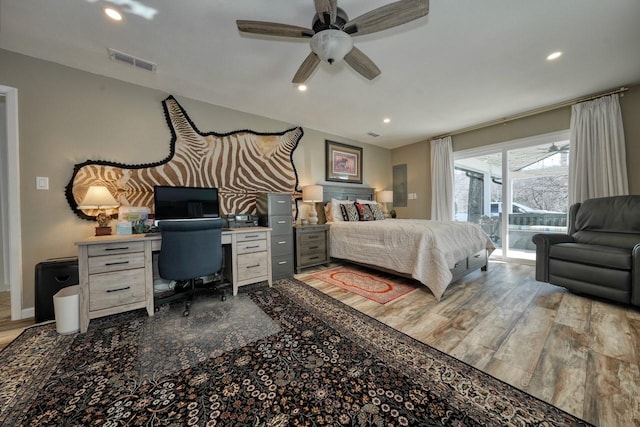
28,312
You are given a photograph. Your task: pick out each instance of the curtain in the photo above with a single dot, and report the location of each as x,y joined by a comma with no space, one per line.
442,179
598,166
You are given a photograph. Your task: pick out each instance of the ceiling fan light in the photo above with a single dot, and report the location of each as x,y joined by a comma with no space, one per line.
331,45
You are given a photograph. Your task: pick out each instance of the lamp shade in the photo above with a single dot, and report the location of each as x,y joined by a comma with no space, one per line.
331,45
312,193
98,197
385,196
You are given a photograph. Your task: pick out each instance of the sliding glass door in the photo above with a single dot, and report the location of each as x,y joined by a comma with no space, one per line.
514,190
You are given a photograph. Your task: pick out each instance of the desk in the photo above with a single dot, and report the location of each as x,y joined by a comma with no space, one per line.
116,272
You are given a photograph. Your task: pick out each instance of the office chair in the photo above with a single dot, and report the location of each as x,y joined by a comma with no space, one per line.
190,249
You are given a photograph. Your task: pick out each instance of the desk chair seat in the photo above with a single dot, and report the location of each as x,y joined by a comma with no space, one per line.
190,249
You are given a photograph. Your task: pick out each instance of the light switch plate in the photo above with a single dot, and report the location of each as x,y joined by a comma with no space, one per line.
42,182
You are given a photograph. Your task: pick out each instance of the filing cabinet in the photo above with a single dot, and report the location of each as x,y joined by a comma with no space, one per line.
312,245
274,211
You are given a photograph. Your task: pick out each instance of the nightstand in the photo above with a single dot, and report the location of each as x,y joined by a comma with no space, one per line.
312,245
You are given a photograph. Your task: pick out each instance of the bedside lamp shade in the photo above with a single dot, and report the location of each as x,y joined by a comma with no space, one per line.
384,197
99,197
313,194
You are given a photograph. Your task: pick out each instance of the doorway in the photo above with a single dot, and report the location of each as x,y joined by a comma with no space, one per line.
10,224
514,190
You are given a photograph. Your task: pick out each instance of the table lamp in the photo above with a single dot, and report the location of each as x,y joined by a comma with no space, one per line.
384,197
99,197
312,194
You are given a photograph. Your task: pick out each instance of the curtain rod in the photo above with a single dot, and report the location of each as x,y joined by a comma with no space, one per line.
531,113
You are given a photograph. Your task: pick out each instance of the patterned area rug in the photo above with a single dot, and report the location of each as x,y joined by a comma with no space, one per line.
379,287
327,365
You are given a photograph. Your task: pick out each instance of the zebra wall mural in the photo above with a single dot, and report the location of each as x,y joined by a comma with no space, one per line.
240,164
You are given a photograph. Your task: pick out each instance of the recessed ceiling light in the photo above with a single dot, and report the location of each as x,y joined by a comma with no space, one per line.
554,55
302,88
386,120
113,14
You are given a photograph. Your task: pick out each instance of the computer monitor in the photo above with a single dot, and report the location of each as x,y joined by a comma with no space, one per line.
185,202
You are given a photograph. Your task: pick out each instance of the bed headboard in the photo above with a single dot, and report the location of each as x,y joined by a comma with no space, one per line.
342,192
346,193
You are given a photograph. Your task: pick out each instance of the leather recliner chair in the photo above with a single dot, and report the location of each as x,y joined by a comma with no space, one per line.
600,254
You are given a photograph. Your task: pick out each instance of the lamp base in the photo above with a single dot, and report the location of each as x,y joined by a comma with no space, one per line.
312,215
103,231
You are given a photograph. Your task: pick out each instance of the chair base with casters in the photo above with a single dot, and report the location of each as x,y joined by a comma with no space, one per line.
189,290
190,249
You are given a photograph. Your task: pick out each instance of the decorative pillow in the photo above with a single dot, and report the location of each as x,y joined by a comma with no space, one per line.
327,213
366,202
364,212
349,212
336,212
376,211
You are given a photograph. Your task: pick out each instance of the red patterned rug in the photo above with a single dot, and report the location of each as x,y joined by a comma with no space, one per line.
376,286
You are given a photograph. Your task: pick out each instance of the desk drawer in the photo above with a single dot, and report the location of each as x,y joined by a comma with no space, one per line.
280,204
252,246
281,245
108,290
107,263
252,266
281,224
115,248
281,267
254,235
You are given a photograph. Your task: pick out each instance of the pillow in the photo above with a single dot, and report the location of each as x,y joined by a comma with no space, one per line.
349,212
376,211
366,202
364,212
327,213
336,212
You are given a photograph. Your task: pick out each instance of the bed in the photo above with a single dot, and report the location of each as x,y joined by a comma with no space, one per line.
436,253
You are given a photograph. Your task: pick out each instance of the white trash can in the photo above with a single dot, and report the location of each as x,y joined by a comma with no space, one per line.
66,306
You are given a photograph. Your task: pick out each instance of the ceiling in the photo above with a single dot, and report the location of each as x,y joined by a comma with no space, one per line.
465,63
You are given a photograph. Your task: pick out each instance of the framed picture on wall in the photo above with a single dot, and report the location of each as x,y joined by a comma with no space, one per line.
343,162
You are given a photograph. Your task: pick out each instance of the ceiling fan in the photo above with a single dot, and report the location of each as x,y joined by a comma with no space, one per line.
331,32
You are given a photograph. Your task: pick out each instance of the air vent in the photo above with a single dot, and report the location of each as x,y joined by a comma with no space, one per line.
373,134
131,60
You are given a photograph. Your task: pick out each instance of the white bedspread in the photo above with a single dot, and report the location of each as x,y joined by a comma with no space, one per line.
425,249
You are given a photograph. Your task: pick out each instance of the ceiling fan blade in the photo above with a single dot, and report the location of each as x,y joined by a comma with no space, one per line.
273,29
306,68
362,64
327,7
388,16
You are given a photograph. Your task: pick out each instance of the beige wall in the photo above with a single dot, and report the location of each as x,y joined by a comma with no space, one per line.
68,116
417,156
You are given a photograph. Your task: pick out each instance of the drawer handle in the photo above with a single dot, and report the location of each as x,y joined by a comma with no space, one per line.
456,265
252,247
282,222
108,264
123,248
251,236
280,201
253,266
477,256
282,242
313,237
314,257
314,247
282,262
119,289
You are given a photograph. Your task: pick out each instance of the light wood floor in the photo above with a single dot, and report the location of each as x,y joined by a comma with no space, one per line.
9,330
577,353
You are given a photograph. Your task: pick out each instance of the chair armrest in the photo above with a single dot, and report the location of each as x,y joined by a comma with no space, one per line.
635,275
543,242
